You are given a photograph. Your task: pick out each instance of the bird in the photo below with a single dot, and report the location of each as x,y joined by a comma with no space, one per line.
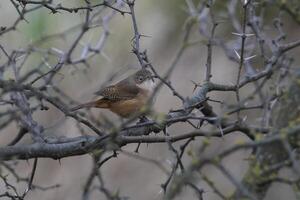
126,97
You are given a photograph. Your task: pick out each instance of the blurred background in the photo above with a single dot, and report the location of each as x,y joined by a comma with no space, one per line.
162,23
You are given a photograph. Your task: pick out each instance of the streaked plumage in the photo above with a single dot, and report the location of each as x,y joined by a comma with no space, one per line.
127,96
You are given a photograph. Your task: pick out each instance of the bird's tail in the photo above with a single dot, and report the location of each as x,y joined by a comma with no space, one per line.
101,103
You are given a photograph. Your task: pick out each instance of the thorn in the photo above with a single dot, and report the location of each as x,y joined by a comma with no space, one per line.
249,34
221,130
26,190
161,191
85,51
195,85
146,36
237,54
105,56
20,57
237,34
244,119
47,64
58,51
200,124
249,58
241,34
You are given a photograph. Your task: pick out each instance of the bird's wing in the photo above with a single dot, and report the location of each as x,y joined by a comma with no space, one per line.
119,92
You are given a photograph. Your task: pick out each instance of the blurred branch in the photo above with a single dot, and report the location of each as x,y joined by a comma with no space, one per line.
57,149
56,8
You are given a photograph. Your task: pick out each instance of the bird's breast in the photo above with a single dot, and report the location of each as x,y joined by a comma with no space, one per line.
147,85
125,108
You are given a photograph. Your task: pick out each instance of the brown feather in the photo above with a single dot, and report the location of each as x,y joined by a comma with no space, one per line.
119,92
125,108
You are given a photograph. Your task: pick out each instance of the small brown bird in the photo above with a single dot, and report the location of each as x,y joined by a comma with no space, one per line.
125,97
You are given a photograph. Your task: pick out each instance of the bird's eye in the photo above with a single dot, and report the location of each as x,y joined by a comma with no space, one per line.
140,78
